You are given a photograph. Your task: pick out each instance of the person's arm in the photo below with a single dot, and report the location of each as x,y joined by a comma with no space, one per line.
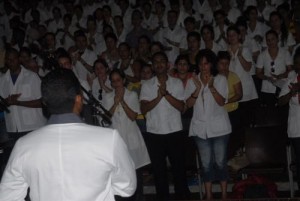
285,99
146,106
86,65
13,185
13,100
260,75
245,64
217,96
123,176
129,112
238,93
178,104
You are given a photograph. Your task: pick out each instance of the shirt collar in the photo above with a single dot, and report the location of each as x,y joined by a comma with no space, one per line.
64,118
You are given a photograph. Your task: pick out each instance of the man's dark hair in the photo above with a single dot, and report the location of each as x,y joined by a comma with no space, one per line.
59,89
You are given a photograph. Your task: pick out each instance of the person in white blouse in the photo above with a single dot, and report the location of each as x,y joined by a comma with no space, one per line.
290,93
241,64
207,33
207,94
124,107
273,66
68,159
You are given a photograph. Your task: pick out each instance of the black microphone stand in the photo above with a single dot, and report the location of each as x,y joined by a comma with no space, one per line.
98,108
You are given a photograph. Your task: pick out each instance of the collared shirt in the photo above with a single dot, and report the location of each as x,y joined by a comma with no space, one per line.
69,160
163,118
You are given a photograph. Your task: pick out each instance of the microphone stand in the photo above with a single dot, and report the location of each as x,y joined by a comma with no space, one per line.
104,114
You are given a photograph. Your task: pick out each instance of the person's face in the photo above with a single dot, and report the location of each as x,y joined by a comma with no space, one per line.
187,4
220,19
143,45
272,41
252,14
233,37
106,13
243,31
204,66
118,22
50,40
275,22
100,70
136,19
154,49
67,21
117,81
189,27
99,14
124,52
159,8
146,73
33,66
172,19
24,58
207,35
91,26
12,62
110,43
223,66
56,14
193,43
81,43
64,62
147,8
160,65
182,66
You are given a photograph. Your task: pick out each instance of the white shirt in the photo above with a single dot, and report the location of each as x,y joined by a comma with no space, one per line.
54,26
294,109
127,128
21,119
177,35
249,91
163,118
290,41
209,119
282,60
89,57
69,161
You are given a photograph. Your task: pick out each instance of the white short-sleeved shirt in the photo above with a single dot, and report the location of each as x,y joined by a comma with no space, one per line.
89,57
217,32
21,119
294,109
260,30
127,128
249,91
163,118
281,62
209,119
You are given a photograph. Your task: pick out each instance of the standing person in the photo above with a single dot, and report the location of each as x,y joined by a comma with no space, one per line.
68,159
124,107
21,90
162,101
210,125
273,66
290,93
235,93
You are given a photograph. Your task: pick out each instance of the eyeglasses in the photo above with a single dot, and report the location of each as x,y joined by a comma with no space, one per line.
272,67
100,94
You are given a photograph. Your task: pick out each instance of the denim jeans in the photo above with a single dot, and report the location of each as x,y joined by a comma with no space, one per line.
213,156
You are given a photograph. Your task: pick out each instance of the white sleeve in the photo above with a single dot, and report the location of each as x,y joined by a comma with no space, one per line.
144,94
222,86
123,176
13,185
133,102
189,89
260,60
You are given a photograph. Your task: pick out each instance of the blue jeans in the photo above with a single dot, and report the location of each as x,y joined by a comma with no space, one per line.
213,156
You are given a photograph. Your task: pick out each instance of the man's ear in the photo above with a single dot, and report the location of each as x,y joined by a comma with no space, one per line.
78,104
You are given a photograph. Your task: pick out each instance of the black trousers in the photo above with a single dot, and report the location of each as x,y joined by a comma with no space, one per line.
172,146
296,145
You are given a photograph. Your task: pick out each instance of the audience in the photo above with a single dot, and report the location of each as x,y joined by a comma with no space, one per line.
165,50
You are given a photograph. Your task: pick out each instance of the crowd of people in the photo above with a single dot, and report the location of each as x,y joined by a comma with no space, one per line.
157,72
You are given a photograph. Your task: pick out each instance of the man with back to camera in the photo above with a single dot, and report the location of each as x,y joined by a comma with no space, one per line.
67,159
